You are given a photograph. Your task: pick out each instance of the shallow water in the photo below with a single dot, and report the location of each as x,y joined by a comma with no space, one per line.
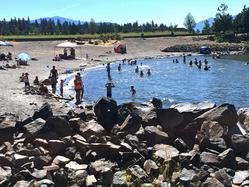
226,81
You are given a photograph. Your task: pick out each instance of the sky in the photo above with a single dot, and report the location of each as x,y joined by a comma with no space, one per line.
118,11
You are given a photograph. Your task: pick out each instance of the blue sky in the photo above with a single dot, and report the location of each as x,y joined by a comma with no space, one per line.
118,11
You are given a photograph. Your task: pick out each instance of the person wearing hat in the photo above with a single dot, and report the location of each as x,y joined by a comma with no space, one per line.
109,87
26,81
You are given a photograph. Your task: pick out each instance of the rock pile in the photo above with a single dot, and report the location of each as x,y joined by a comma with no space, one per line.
131,144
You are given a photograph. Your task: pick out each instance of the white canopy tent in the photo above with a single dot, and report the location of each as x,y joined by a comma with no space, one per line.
68,45
6,44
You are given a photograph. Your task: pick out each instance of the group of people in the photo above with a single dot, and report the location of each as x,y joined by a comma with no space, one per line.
199,64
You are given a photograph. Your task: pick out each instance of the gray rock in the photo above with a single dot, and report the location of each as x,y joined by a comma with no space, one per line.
217,144
227,158
223,177
35,128
242,164
119,179
41,161
212,182
153,136
75,166
91,180
138,174
180,145
209,158
56,147
151,168
212,129
91,128
243,114
240,177
39,174
19,160
99,166
5,173
59,125
45,182
187,175
60,178
240,142
23,183
165,152
61,160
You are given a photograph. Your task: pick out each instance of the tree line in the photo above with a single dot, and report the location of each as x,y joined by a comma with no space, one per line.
51,27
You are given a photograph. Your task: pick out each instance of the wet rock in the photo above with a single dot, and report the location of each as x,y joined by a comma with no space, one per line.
243,114
240,142
224,114
56,147
75,166
44,112
242,164
240,177
105,110
187,175
119,179
59,125
153,136
91,128
223,177
138,174
212,129
209,158
227,158
169,118
151,168
212,182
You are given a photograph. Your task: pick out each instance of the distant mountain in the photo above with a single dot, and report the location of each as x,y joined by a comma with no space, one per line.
200,25
56,18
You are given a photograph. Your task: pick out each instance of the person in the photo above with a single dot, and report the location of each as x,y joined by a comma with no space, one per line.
53,76
108,68
26,81
190,63
36,81
43,89
82,87
205,61
87,56
177,61
137,70
61,87
65,53
149,72
184,58
21,77
119,67
173,60
132,90
109,87
73,52
77,88
141,73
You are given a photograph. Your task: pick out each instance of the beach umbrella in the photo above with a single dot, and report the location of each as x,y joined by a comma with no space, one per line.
24,56
5,44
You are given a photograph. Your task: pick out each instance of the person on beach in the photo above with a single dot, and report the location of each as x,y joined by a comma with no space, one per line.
133,91
72,53
61,87
82,86
137,70
141,73
36,81
43,89
21,77
119,67
26,81
77,88
149,72
53,76
109,87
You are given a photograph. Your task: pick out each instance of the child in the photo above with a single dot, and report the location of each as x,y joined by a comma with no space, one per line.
26,81
132,90
61,87
109,87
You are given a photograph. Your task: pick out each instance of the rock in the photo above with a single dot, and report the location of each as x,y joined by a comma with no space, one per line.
70,152
132,141
240,177
212,182
242,164
59,125
75,166
209,158
149,118
36,128
187,175
107,177
151,168
125,147
91,128
240,142
165,152
105,110
227,158
56,147
245,183
7,127
60,178
99,166
243,114
30,152
212,129
91,180
51,168
44,182
153,136
157,103
39,174
131,158
180,145
223,177
19,160
217,144
41,161
119,179
40,142
224,114
44,112
138,174
169,118
23,183
131,124
5,161
5,173
80,177
61,160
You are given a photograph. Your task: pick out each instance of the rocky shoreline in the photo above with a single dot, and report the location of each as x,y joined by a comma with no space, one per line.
127,145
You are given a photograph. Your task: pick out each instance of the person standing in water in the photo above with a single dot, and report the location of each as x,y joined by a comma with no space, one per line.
137,70
53,76
61,87
77,88
184,58
141,73
133,91
149,72
109,87
82,87
119,67
108,68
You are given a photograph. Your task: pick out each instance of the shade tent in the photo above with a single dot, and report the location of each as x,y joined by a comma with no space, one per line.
5,44
68,45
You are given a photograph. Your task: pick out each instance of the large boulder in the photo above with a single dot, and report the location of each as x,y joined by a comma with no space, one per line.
153,136
240,142
36,128
227,158
91,128
59,125
240,177
212,129
131,124
106,112
7,127
44,112
225,115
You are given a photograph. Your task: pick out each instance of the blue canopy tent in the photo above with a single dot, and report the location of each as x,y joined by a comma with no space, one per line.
205,50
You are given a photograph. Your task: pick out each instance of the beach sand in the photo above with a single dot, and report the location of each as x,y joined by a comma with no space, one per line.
14,100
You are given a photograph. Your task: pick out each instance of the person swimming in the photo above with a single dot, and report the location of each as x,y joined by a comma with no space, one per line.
132,90
206,68
149,72
173,60
141,73
191,63
177,61
137,70
205,61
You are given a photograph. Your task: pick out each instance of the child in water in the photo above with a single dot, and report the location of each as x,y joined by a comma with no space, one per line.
149,72
109,87
137,70
132,90
141,73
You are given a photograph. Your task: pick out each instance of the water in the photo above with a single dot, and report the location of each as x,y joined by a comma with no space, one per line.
226,81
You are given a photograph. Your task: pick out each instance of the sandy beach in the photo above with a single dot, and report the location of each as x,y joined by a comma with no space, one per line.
13,99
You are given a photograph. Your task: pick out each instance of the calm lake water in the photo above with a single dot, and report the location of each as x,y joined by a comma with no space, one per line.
226,81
